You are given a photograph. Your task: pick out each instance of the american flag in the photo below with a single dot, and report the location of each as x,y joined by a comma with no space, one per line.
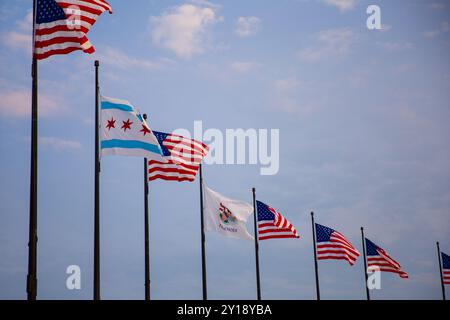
445,268
377,258
182,157
331,244
61,25
271,224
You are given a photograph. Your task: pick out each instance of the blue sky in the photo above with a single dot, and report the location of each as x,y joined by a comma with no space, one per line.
363,118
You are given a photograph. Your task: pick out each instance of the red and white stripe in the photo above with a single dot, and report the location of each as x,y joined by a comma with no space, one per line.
337,248
384,262
65,36
446,276
279,228
183,162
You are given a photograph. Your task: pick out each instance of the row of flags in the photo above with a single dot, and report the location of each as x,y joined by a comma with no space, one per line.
173,157
60,27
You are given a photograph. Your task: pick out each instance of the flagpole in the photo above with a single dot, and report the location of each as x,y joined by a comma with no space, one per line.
146,228
440,271
255,228
97,192
32,236
202,225
316,266
365,263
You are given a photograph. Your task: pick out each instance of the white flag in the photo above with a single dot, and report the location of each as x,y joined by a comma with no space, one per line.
226,216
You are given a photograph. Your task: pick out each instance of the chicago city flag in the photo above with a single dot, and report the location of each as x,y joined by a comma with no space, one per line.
124,131
226,216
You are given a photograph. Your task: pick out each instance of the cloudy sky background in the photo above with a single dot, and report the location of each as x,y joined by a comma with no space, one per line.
364,141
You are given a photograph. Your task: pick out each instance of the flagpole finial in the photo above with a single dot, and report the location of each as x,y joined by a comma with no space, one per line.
253,189
362,228
312,213
144,116
96,63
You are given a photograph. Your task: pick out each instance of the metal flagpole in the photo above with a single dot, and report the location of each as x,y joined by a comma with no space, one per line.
316,267
146,229
255,228
97,192
202,225
32,236
365,263
440,270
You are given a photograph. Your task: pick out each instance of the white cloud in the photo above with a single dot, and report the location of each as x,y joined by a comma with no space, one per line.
286,97
392,46
247,26
444,28
438,6
183,29
20,38
329,43
205,3
61,144
342,5
286,85
88,121
121,60
431,34
385,27
17,103
243,66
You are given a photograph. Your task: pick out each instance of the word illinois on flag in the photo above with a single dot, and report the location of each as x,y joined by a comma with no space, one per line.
333,245
226,216
181,158
377,258
272,224
61,25
445,268
125,132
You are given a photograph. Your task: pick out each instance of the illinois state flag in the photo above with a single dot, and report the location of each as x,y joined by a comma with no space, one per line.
226,216
124,131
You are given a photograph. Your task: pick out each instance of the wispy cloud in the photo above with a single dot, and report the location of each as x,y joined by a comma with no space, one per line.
205,3
286,85
122,60
183,29
247,26
444,28
393,46
385,27
329,43
243,66
342,5
17,103
20,38
286,97
438,5
61,144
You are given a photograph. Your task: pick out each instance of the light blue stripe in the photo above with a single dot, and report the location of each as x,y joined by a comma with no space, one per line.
110,105
130,144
